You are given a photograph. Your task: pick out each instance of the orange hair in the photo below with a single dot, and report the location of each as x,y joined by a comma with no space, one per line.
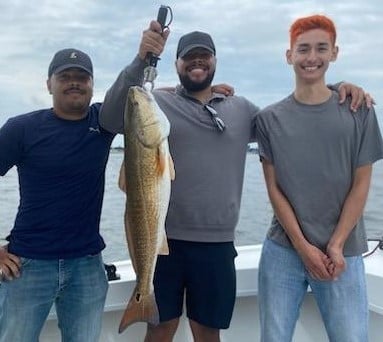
303,25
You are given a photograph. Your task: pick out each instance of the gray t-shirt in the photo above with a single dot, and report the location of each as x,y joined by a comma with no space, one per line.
206,193
315,150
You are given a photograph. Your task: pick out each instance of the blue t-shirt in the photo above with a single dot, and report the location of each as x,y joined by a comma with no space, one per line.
61,168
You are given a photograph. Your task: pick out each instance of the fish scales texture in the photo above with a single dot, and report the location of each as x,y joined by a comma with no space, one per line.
147,172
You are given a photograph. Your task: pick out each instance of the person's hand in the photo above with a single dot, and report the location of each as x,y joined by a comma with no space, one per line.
338,262
358,96
316,263
153,40
223,88
9,265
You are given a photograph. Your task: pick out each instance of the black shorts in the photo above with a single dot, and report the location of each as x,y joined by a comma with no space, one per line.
205,273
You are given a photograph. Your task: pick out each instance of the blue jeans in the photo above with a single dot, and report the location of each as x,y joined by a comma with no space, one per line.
77,287
283,282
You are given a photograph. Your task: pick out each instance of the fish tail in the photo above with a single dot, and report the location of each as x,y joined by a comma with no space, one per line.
140,309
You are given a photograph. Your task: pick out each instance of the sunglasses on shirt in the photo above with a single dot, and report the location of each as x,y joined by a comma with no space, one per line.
215,118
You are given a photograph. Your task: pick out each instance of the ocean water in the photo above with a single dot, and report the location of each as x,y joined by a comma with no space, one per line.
255,215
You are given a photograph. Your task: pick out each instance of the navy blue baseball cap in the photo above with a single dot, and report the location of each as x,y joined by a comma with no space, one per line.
70,58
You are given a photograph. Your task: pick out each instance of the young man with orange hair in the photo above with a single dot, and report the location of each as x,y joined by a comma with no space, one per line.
317,158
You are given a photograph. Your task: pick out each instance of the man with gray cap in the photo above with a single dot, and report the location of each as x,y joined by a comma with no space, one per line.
208,142
53,254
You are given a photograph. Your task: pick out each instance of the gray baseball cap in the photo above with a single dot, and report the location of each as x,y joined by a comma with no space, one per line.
194,40
70,58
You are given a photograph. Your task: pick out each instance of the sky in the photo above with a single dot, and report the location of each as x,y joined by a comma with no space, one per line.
251,39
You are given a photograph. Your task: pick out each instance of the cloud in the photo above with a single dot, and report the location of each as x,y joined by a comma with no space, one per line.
251,39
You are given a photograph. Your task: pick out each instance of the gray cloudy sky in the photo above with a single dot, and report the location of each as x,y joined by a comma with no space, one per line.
251,38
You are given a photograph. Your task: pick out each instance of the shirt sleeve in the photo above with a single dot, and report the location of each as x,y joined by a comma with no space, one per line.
10,145
111,116
262,134
371,144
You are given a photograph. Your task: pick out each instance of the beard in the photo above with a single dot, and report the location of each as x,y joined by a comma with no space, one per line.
193,86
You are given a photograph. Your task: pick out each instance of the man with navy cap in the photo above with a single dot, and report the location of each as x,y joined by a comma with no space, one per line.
53,252
208,142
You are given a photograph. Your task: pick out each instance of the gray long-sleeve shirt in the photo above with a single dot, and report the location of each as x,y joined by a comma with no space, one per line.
206,194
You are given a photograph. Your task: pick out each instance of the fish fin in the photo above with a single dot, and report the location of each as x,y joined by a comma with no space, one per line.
172,170
140,309
164,248
122,177
161,161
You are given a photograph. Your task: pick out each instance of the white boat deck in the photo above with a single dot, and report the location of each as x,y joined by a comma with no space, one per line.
244,326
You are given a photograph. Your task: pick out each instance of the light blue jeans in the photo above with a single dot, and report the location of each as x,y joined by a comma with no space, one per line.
283,282
77,287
